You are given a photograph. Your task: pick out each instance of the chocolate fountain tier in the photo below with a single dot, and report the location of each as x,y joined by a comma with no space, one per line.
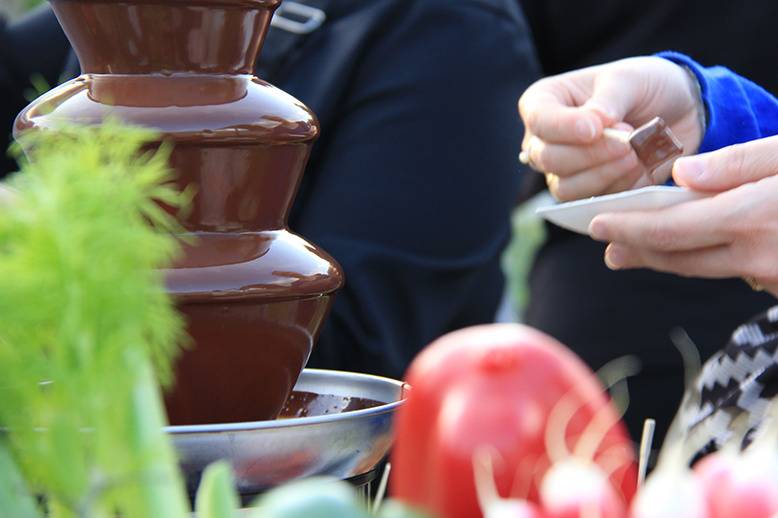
269,265
150,36
254,303
335,424
184,106
254,295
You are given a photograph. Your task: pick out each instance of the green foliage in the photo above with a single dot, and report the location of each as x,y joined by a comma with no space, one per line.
322,498
216,496
15,8
528,236
311,498
31,4
38,87
15,497
83,315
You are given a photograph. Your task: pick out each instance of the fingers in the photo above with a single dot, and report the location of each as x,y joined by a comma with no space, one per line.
684,227
712,262
568,159
600,96
633,178
729,167
615,94
613,176
578,171
741,258
731,234
553,118
565,116
576,165
609,165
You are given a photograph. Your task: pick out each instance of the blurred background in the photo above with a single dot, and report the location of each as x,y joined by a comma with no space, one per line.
14,8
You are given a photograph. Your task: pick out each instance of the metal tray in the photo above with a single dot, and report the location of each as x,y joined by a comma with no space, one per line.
331,440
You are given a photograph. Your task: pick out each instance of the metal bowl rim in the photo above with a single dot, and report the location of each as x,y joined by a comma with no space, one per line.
300,421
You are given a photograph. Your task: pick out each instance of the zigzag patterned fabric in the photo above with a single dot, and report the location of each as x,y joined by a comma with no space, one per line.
730,397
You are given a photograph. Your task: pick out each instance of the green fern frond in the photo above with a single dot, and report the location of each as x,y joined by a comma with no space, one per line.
83,314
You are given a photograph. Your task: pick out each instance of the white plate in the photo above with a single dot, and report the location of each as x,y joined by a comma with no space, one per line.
576,215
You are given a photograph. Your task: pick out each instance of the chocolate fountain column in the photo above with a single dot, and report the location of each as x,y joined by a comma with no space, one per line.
254,294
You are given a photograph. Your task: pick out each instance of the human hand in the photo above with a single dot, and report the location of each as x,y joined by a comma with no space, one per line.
733,233
564,117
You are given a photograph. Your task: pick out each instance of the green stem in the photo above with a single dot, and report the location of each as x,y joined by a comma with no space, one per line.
162,489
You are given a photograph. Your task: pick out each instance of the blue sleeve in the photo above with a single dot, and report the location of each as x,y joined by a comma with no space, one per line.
737,109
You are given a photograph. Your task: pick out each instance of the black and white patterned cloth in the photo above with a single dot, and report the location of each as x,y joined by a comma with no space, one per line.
730,397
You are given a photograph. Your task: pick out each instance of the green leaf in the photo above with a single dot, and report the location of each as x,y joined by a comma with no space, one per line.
311,498
15,498
39,86
216,497
160,490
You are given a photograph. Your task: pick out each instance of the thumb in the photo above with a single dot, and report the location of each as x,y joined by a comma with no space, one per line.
729,167
613,97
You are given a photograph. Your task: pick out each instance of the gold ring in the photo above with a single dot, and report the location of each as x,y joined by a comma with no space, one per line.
753,283
524,157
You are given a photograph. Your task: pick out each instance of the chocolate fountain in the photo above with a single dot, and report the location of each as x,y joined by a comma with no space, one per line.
254,295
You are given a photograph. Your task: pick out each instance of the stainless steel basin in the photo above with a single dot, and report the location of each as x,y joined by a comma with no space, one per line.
329,427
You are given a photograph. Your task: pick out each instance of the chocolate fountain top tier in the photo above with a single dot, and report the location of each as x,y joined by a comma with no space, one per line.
183,68
150,36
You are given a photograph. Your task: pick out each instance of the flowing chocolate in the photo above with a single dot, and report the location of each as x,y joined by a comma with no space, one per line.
254,295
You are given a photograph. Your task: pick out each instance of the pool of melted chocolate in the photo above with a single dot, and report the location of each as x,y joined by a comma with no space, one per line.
310,404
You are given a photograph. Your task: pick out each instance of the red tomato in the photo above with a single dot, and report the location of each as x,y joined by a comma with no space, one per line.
494,386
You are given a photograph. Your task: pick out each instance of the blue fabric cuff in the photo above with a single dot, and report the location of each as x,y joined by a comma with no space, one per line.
730,116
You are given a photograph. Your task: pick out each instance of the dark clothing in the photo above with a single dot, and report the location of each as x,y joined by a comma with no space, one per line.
602,314
571,35
414,178
32,50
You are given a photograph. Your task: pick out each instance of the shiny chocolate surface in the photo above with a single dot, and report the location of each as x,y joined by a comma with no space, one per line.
302,403
654,143
163,36
254,295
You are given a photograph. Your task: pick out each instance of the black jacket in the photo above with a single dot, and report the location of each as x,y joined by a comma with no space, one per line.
414,178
